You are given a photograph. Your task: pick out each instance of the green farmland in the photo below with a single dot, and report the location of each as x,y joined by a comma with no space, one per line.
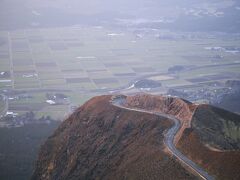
87,61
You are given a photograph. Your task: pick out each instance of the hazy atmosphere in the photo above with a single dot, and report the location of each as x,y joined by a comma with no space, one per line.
55,55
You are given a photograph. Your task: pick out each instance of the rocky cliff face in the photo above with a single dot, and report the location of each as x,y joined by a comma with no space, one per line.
100,141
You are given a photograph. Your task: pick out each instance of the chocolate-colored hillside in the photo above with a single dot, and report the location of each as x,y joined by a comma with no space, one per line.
103,141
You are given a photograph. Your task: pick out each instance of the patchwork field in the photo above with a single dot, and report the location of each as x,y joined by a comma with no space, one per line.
83,59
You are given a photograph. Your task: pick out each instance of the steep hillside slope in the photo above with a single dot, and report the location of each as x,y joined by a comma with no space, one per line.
217,127
230,102
103,141
211,137
177,107
214,141
180,108
100,141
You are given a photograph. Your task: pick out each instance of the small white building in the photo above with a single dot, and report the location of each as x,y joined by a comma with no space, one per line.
9,113
51,102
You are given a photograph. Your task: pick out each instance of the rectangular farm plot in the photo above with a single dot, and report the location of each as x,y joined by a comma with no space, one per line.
40,48
88,65
26,85
4,55
20,46
108,59
208,71
56,83
68,67
4,66
6,84
22,62
105,81
197,80
24,68
143,69
120,70
4,44
36,39
79,98
74,74
125,74
64,55
57,46
21,55
33,32
26,106
21,59
46,64
57,112
26,78
161,78
74,44
43,58
4,48
175,82
103,73
82,85
17,34
134,62
47,69
77,80
97,71
39,97
111,86
209,78
24,72
50,75
113,64
56,115
122,52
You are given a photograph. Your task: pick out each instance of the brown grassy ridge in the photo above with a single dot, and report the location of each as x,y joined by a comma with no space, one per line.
101,141
222,164
177,107
222,159
204,138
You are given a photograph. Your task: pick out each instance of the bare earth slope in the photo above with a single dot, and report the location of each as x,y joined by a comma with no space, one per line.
100,141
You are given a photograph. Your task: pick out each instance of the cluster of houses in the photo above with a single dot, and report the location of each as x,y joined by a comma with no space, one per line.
211,95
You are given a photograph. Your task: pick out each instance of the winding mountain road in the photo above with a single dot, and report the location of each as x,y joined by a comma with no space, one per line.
169,138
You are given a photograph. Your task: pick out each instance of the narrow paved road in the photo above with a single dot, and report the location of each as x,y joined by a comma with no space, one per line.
169,138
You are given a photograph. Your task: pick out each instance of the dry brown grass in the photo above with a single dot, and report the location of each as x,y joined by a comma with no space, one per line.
100,141
224,165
